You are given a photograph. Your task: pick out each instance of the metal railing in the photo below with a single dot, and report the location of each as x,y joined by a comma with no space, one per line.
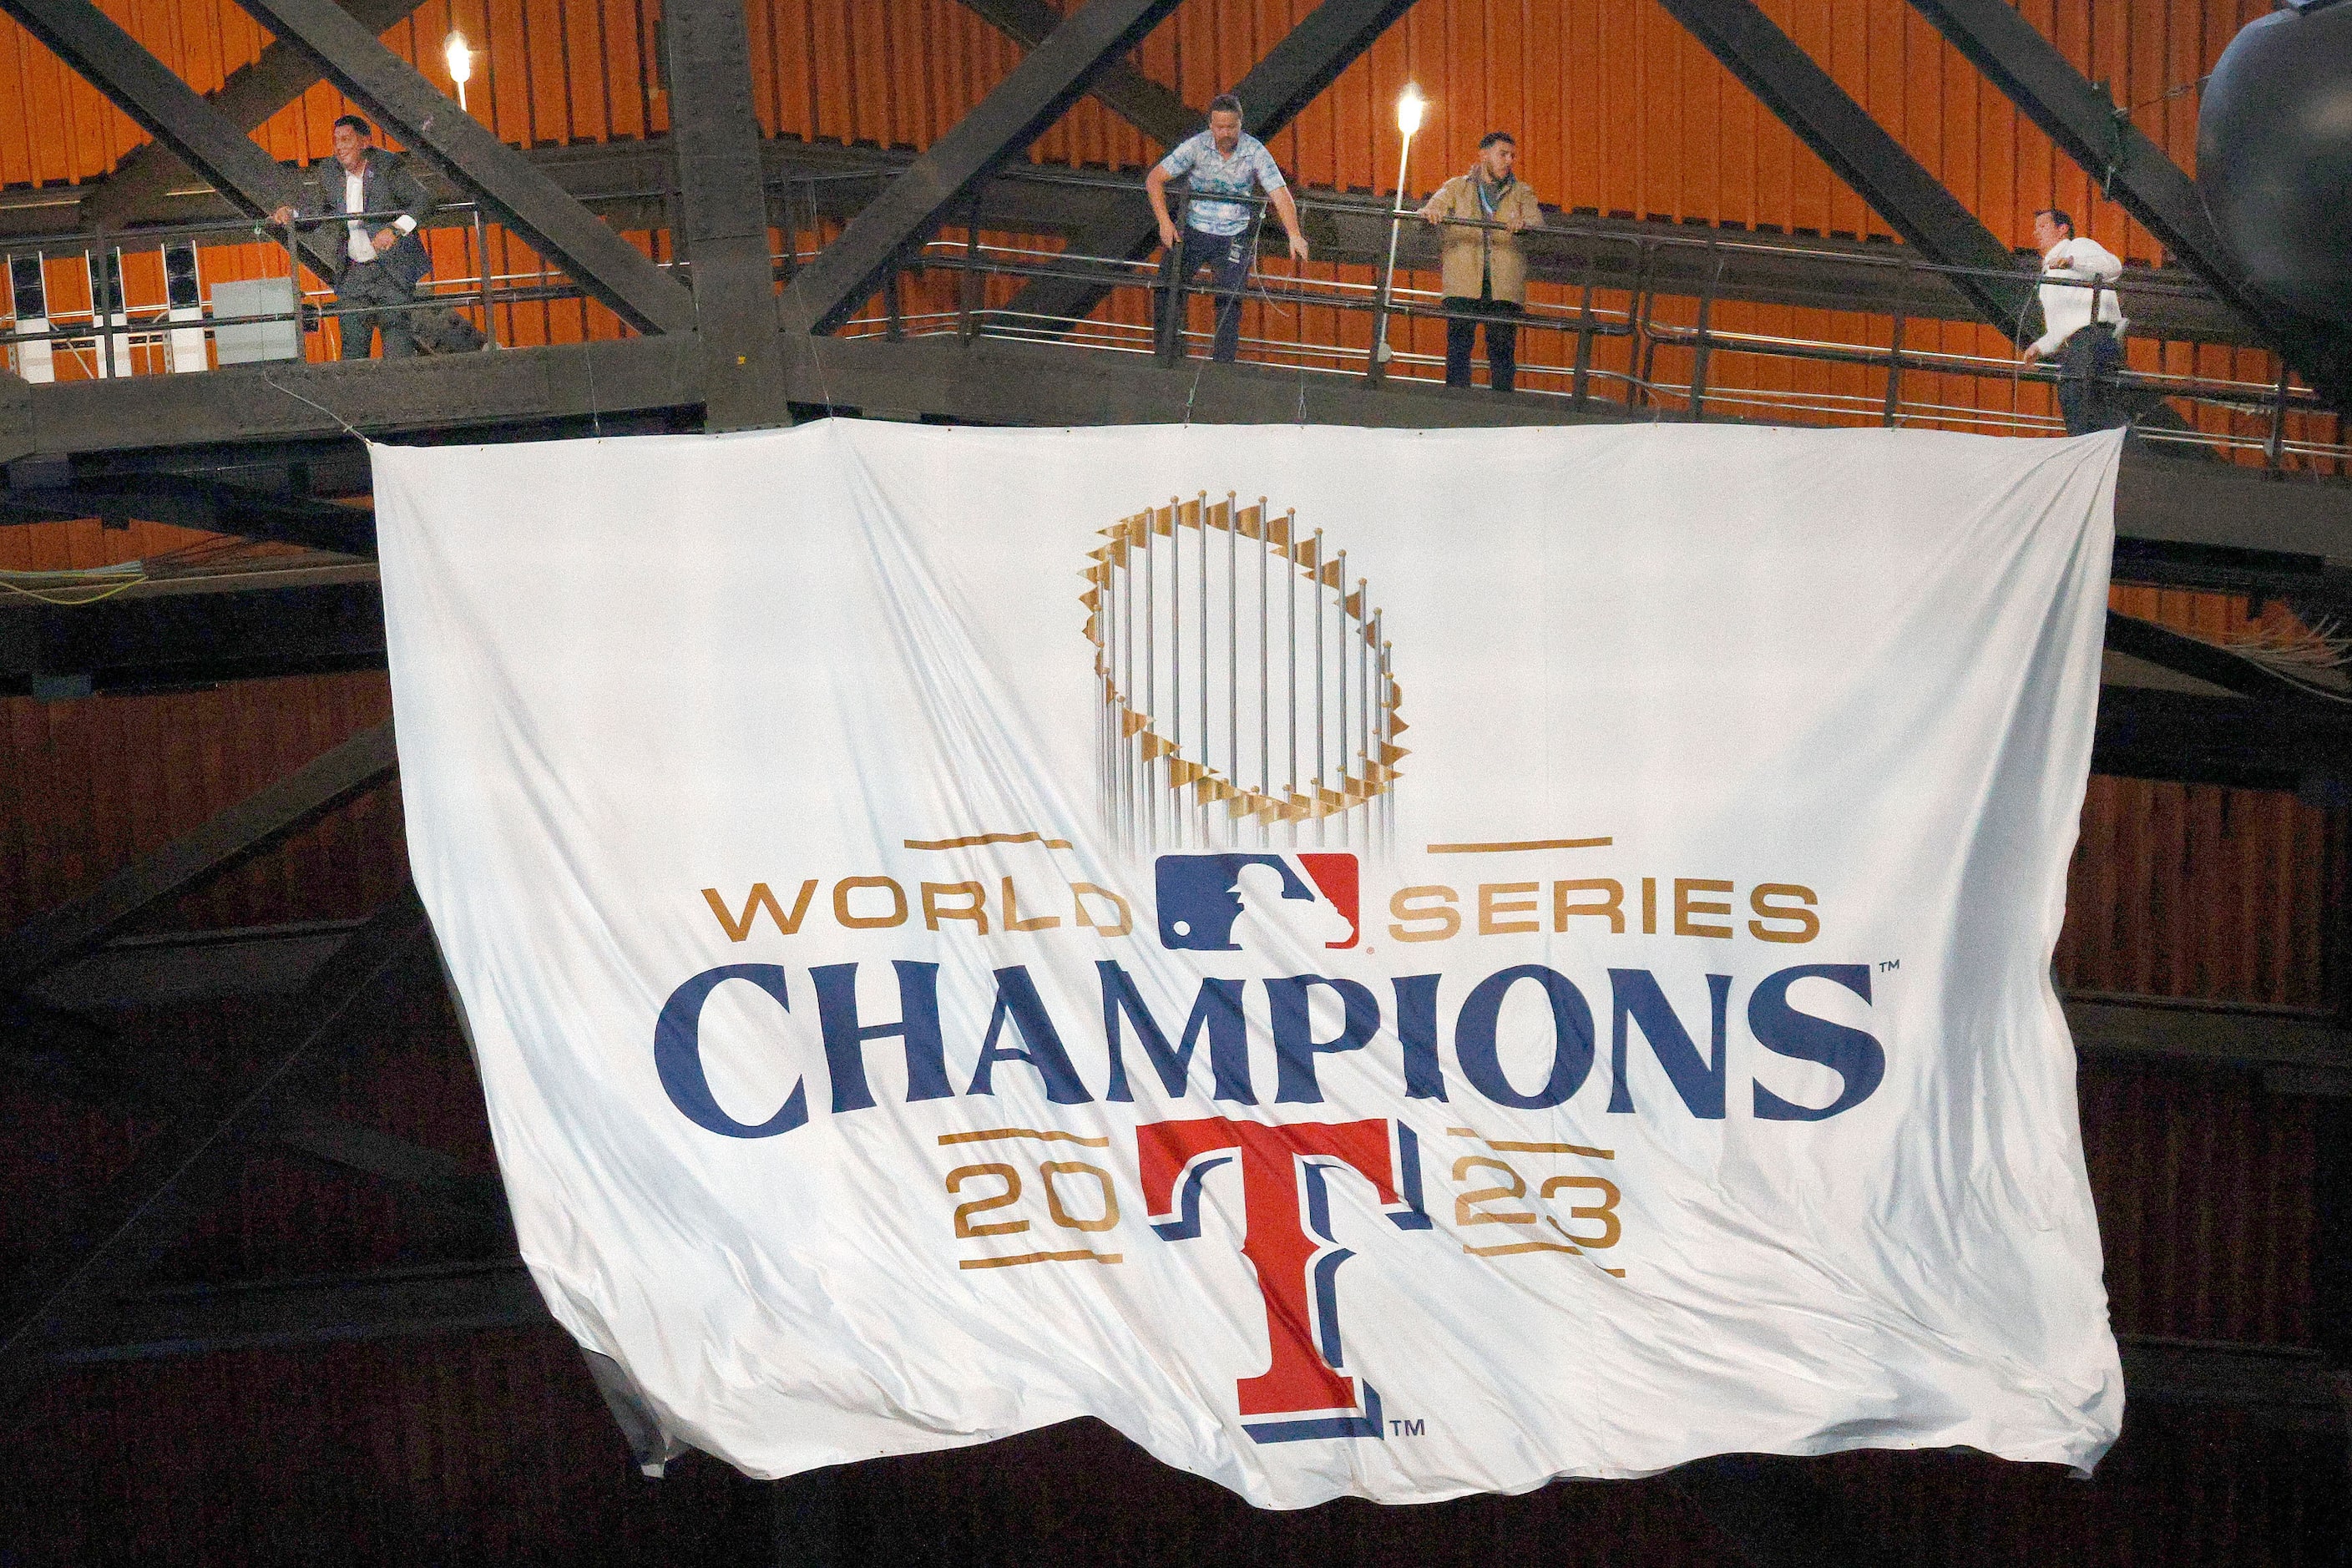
109,325
1616,337
2258,418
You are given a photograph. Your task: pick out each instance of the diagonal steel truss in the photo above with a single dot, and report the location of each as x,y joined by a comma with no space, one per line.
142,87
252,93
2087,126
547,217
1305,62
1054,76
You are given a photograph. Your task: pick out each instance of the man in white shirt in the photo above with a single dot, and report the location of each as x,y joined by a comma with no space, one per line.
382,259
2084,325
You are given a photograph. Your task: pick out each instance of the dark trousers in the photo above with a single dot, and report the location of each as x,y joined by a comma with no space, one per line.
373,299
1226,255
2088,399
1501,321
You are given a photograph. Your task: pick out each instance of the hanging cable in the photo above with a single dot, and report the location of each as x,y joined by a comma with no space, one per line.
2169,93
72,590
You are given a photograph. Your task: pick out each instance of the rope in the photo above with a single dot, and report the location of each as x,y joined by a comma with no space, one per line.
349,428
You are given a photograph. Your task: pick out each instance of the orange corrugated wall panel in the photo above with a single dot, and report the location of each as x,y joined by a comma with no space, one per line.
2189,890
1618,109
88,786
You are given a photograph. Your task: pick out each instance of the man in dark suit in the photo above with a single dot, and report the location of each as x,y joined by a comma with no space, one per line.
383,261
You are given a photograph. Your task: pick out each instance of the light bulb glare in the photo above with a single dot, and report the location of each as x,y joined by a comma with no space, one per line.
1410,105
460,58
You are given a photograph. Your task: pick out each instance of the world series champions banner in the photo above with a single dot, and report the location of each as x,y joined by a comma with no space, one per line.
1375,962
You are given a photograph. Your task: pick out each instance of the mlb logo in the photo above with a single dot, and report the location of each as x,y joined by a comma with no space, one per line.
1245,903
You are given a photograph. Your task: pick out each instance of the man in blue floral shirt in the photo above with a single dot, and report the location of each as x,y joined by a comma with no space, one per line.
1222,161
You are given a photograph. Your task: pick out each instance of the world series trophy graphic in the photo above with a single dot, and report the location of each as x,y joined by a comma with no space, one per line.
1247,694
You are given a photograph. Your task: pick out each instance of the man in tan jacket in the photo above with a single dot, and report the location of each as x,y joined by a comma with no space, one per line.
1485,274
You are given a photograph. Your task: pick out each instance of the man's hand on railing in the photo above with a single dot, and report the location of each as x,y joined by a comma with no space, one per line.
283,216
1436,217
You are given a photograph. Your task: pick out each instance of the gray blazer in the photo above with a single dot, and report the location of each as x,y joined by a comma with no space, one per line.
386,185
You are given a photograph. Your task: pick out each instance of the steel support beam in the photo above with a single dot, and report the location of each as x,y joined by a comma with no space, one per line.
837,285
253,824
2160,503
431,392
2277,1386
461,1298
278,77
335,468
187,501
2271,530
165,968
2194,656
143,88
2228,741
304,1125
1307,59
2088,127
181,1171
75,1059
723,214
1152,109
608,266
1859,151
174,641
2293,1052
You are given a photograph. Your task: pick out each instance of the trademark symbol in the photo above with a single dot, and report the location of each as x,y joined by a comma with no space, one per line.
1886,964
1405,1429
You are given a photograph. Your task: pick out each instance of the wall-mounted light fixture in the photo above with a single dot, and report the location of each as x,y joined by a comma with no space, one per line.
461,64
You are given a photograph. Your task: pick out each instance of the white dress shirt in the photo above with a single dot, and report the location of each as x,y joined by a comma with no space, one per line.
362,246
2065,307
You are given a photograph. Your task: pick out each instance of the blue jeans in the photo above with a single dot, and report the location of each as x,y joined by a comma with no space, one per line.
1502,319
1226,255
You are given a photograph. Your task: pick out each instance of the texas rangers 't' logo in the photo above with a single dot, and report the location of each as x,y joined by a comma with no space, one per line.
1287,1209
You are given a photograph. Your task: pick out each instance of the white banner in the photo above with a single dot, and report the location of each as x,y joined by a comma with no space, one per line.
1375,962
